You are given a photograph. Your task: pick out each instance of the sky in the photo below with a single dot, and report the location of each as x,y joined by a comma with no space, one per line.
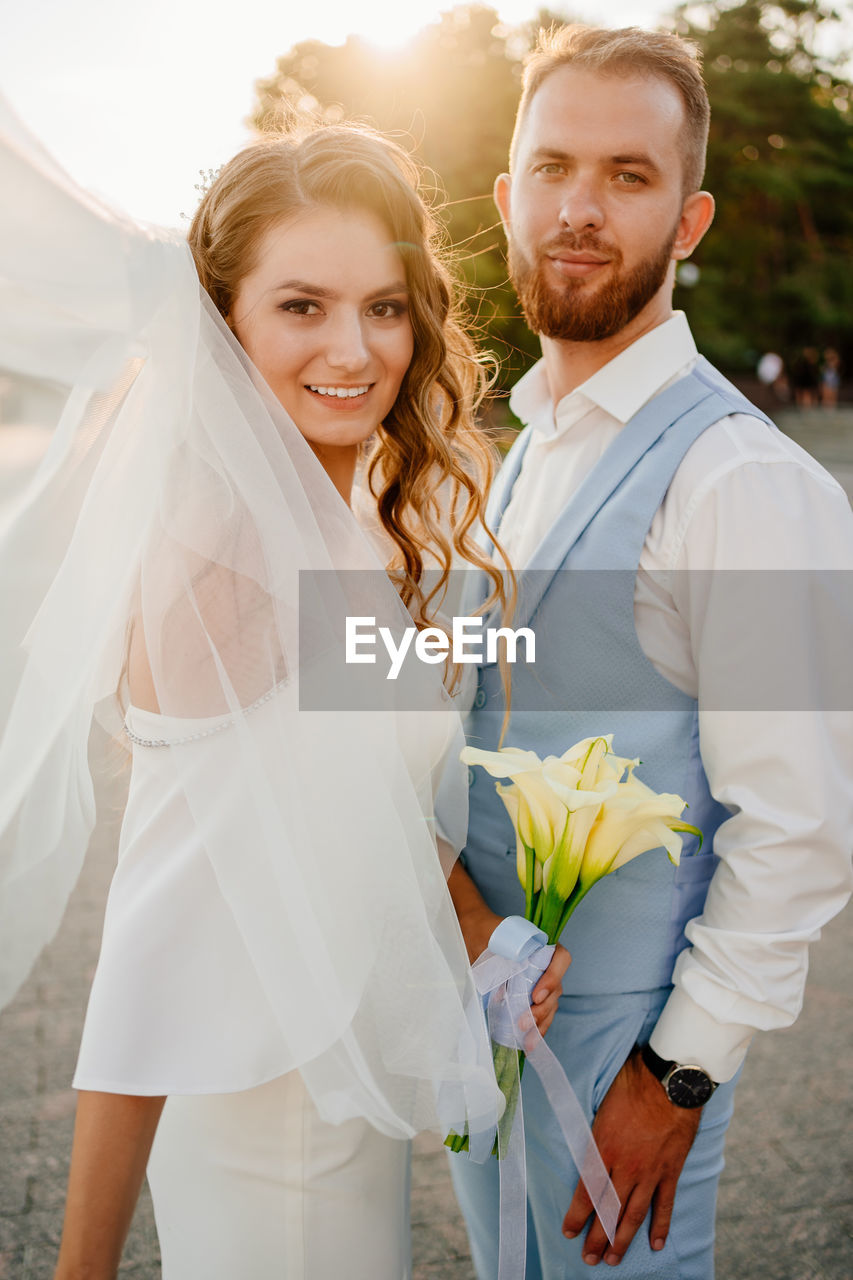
134,99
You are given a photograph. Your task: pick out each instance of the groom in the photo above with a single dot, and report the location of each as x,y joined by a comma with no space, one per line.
639,457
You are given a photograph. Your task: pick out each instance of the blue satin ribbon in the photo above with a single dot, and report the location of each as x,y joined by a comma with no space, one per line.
506,974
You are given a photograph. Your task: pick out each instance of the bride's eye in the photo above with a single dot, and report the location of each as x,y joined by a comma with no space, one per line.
387,310
300,307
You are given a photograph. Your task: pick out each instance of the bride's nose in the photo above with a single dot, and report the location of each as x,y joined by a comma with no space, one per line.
347,343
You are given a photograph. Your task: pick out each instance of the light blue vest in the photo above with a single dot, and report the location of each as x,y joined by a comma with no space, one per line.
626,933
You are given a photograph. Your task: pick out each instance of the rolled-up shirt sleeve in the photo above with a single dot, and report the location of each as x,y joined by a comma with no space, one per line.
766,654
784,871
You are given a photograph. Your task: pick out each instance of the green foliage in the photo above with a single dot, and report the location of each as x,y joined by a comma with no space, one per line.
776,264
775,268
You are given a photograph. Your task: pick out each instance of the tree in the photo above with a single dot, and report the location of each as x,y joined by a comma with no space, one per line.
775,268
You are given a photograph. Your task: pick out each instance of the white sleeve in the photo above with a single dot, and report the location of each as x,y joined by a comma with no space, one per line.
786,775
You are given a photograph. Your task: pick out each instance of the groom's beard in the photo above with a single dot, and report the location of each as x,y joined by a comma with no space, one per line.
576,310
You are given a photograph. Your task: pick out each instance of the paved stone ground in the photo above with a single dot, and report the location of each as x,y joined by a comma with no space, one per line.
786,1201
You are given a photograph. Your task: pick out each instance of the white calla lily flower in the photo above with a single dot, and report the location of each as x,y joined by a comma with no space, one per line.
506,763
635,820
512,800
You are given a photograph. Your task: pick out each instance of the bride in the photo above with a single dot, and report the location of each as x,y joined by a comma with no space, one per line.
283,996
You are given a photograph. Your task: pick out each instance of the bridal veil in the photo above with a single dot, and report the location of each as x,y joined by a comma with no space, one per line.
176,497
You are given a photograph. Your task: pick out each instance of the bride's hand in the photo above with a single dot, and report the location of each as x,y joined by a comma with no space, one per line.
545,996
477,922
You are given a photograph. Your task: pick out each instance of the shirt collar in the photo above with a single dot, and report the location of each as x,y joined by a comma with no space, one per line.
620,388
530,400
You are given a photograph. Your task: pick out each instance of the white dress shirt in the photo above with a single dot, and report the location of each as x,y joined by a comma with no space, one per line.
743,497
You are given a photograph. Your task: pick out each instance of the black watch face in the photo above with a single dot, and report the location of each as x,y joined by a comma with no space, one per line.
689,1087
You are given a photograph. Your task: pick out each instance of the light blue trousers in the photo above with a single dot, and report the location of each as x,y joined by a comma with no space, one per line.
592,1036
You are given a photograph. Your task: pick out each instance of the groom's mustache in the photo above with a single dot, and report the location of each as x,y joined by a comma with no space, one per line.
586,243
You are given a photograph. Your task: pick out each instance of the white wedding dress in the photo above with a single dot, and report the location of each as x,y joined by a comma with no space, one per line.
255,1186
249,1183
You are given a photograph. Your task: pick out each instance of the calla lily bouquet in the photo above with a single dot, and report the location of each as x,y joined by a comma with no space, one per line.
577,818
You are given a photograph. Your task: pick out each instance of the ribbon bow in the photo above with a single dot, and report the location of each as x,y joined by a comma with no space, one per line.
507,973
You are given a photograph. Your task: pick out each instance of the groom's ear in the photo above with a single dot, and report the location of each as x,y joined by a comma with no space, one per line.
502,191
696,216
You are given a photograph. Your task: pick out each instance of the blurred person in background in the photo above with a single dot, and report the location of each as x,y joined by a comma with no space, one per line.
830,378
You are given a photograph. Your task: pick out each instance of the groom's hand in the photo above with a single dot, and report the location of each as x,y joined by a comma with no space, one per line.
644,1140
478,922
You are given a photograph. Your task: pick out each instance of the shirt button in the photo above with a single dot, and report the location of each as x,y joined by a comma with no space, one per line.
480,699
470,777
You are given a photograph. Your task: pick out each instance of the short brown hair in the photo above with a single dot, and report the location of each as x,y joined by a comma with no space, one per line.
627,51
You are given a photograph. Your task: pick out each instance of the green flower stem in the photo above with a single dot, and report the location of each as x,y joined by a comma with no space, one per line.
529,869
552,914
577,896
509,1067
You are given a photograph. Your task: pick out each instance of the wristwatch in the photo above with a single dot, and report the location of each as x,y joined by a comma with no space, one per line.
685,1084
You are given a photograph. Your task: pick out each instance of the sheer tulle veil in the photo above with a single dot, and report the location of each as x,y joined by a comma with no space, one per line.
177,493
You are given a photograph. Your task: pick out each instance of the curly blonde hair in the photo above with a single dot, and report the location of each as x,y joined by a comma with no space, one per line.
429,465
